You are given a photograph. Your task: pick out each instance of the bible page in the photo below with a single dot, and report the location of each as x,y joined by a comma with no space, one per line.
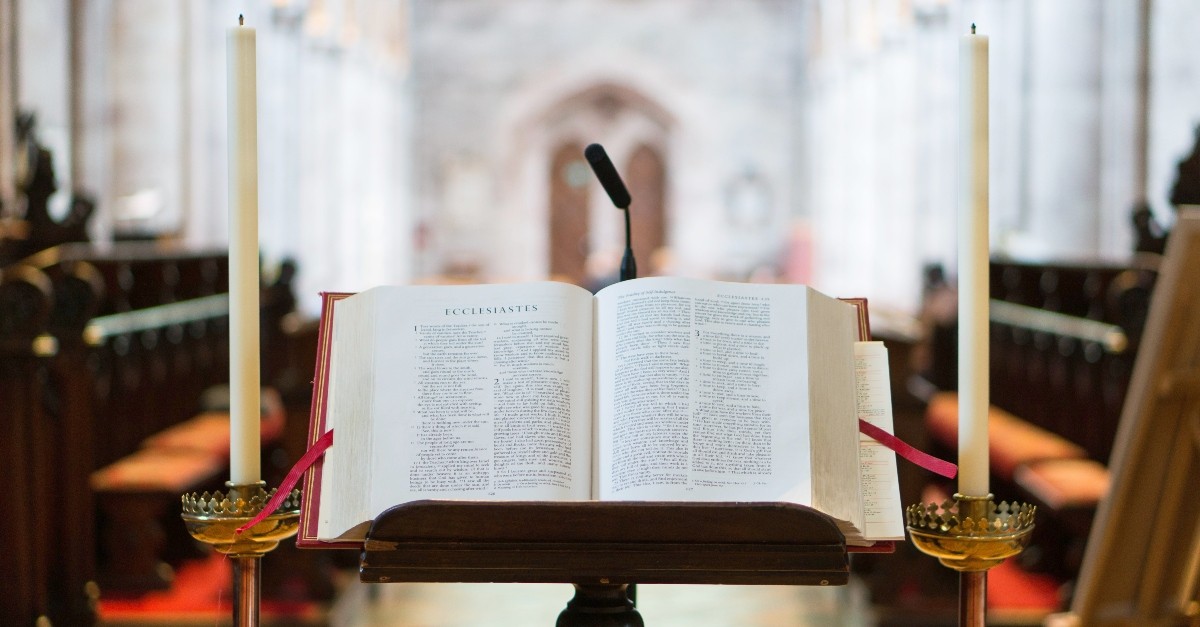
701,391
479,392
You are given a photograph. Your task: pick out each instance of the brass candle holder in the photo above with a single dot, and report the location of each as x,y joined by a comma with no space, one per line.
971,534
213,518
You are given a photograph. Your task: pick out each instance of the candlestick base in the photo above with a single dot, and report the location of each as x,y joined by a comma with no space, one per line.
970,533
214,519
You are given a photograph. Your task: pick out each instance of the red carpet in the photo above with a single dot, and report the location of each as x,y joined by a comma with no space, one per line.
202,590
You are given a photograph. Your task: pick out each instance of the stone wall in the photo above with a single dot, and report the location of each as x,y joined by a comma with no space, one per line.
401,139
713,86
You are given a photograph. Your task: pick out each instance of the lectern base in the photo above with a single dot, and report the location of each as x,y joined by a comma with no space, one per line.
598,605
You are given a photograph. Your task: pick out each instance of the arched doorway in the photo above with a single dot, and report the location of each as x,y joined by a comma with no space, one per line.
584,233
647,182
569,182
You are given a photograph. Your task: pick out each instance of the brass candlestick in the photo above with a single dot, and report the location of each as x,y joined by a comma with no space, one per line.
971,534
213,519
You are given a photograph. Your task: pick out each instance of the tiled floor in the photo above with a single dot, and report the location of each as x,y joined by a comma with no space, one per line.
533,605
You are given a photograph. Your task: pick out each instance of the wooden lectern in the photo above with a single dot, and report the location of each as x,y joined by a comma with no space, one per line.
603,547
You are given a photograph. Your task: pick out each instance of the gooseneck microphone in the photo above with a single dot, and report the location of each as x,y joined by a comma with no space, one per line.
611,181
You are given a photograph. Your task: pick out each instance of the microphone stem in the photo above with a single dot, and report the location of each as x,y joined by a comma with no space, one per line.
628,231
628,265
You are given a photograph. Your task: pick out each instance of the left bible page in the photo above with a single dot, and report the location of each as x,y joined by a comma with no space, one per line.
456,392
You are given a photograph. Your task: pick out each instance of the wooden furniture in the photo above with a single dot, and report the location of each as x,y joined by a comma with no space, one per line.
156,337
27,435
602,548
1064,339
99,350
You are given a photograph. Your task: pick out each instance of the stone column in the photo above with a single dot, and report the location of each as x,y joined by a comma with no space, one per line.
1064,151
1174,94
1122,108
93,112
41,81
7,112
146,71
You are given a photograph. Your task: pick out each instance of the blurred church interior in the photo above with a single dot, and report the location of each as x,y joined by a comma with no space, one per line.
425,141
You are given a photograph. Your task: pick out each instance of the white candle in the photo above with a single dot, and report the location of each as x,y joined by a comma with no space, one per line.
973,266
243,258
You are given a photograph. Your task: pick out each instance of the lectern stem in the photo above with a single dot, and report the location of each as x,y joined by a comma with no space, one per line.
600,606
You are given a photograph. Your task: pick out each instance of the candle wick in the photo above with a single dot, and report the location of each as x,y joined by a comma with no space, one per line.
242,22
972,28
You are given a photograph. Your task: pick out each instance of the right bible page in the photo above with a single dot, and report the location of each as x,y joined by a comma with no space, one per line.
702,392
882,509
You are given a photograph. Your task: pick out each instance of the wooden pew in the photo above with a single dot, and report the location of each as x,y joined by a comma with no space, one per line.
148,369
1063,341
145,371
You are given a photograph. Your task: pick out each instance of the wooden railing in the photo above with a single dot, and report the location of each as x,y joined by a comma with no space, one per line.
1063,341
148,368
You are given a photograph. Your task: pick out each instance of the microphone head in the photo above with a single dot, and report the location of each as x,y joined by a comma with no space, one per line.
607,173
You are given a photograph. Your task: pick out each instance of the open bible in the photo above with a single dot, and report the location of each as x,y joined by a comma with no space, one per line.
655,389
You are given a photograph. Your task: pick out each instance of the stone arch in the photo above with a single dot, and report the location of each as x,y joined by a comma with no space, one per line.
616,112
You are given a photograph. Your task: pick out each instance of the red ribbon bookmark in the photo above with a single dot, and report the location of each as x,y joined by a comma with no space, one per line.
907,451
309,458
